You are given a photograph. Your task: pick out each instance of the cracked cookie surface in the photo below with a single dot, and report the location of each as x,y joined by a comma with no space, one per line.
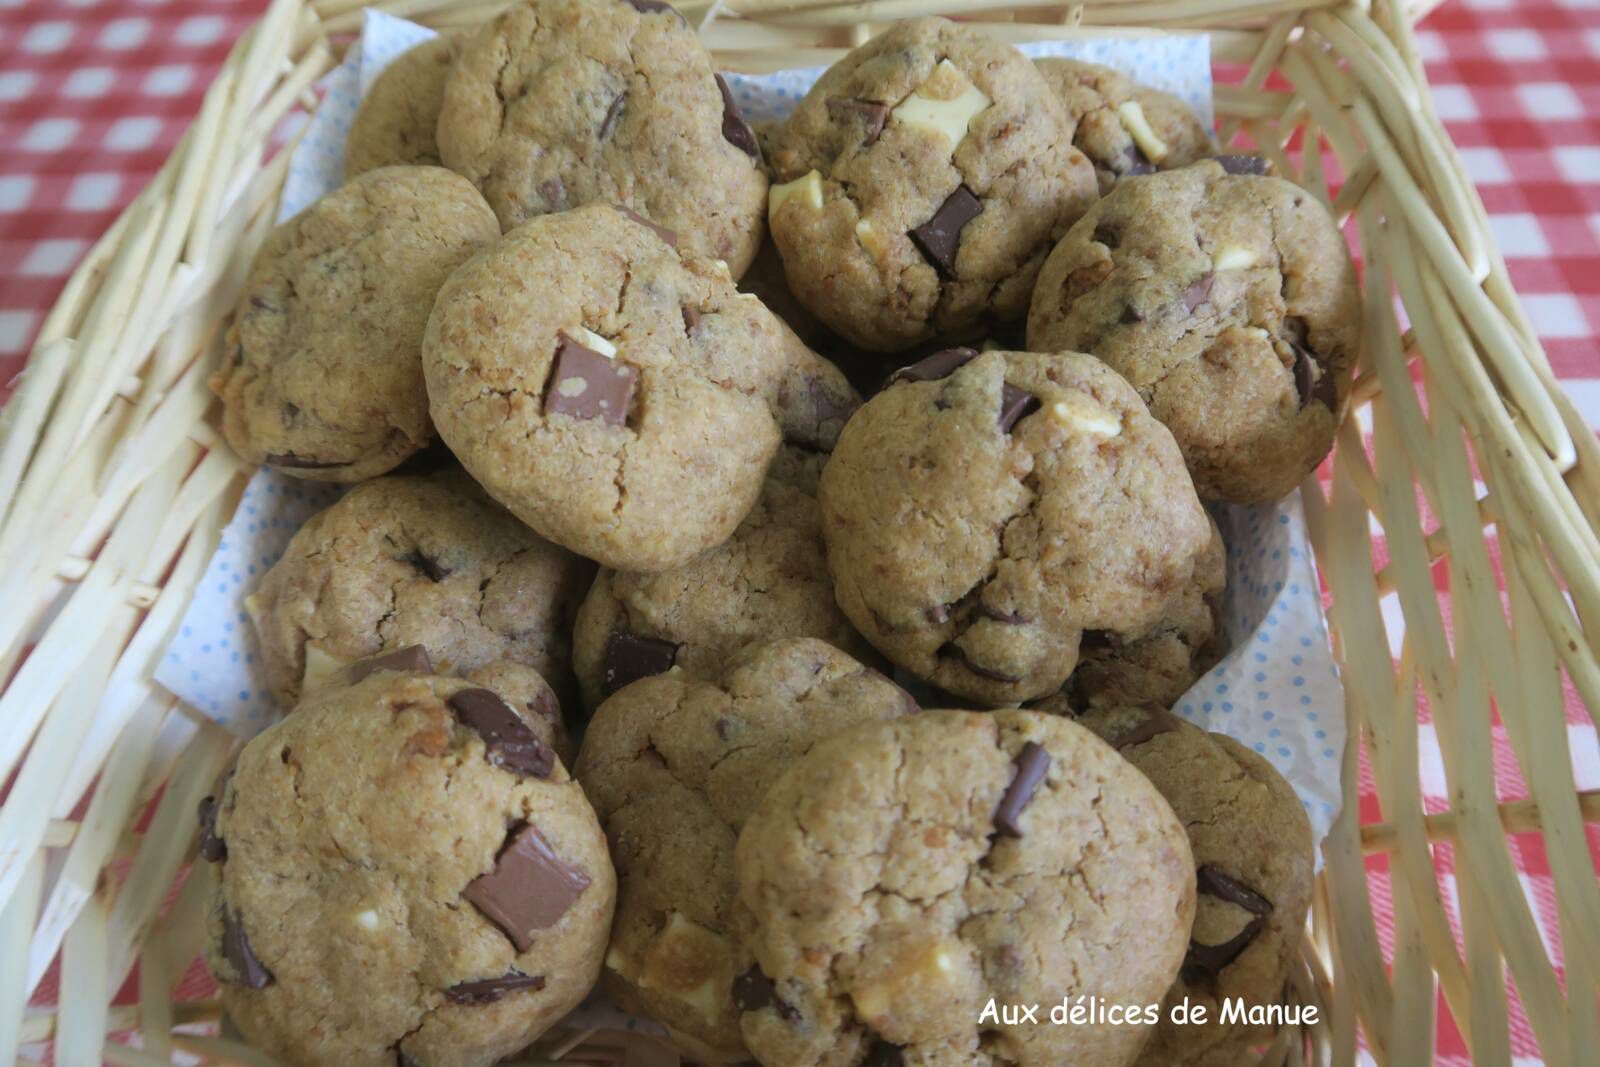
768,581
559,103
397,118
403,878
622,399
428,561
943,175
1123,127
900,874
1253,848
323,377
1230,302
674,765
979,519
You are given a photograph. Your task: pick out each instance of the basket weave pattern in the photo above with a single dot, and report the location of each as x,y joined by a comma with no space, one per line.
114,488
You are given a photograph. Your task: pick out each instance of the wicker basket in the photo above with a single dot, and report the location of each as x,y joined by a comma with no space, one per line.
114,488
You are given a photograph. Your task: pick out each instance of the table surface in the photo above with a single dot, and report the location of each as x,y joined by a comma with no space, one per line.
94,94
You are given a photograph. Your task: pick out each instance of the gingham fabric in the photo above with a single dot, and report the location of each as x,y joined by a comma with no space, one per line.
95,93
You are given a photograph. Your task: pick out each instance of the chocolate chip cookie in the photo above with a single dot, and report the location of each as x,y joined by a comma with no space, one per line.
1123,127
621,398
428,561
1158,664
920,183
406,875
1229,301
901,874
559,103
674,766
397,118
322,376
1252,847
984,510
769,580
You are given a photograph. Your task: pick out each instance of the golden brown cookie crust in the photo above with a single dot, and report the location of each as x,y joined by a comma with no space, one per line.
1230,303
674,764
850,257
885,906
559,103
323,376
397,118
353,832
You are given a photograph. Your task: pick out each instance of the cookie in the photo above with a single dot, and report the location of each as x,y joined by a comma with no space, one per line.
559,103
1158,663
1123,127
620,397
405,875
428,561
768,581
1230,303
901,874
984,510
674,766
920,183
1253,851
323,377
396,120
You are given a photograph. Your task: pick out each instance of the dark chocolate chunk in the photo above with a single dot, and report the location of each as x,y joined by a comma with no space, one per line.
1137,162
883,1054
1198,292
489,990
652,7
1215,882
940,237
1156,721
613,113
212,848
1015,405
1031,763
529,889
1208,961
412,658
1130,315
753,991
508,743
691,318
425,563
956,652
237,951
304,463
1243,164
669,236
871,114
829,406
933,368
1309,385
586,385
629,657
735,130
1138,169
554,192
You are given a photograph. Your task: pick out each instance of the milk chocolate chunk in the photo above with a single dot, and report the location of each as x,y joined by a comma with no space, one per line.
613,113
433,568
827,404
237,951
529,889
667,235
508,742
940,237
212,848
871,114
651,7
1215,882
691,318
412,658
1031,763
1243,164
1015,405
938,615
629,657
956,652
1309,385
1137,163
1199,292
1156,721
588,385
735,130
489,990
753,991
305,463
933,368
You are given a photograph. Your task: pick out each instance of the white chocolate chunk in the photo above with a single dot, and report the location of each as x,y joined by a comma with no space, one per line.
252,604
1138,127
1082,414
1232,258
919,971
320,668
617,961
946,104
367,920
863,230
808,188
589,339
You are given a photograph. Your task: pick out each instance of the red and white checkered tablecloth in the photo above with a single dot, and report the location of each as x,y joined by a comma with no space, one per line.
95,93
